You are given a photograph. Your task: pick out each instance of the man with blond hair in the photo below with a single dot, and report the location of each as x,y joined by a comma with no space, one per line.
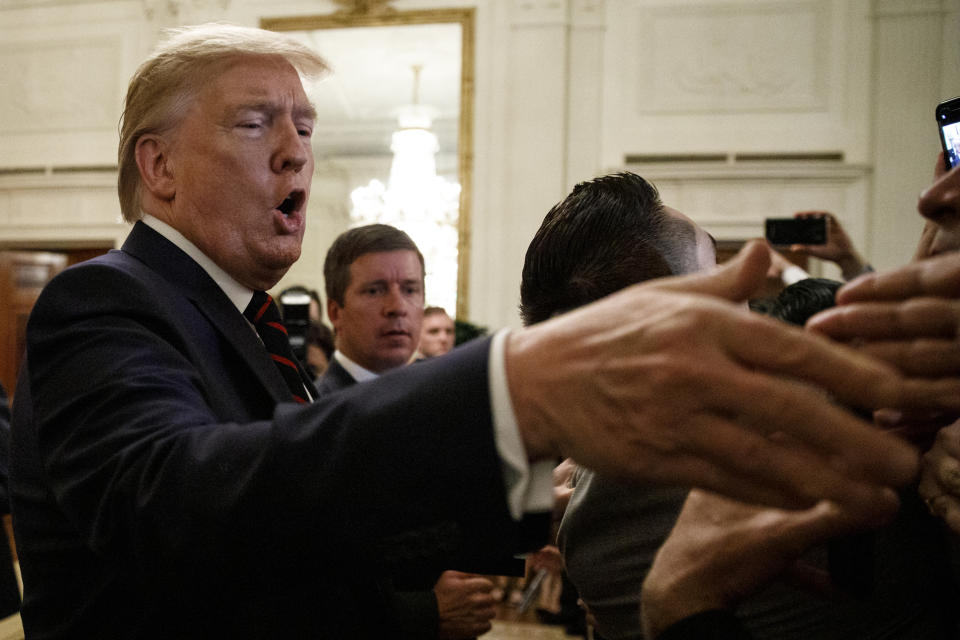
172,478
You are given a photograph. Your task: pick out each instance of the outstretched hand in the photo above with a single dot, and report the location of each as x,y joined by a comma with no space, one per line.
721,551
465,605
670,382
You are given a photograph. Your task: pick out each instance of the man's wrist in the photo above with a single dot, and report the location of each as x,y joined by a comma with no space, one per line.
853,266
535,438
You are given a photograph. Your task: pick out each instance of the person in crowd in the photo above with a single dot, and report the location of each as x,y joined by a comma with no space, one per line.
893,582
315,309
375,287
438,333
919,338
9,589
607,234
798,302
170,476
838,248
320,347
601,237
721,551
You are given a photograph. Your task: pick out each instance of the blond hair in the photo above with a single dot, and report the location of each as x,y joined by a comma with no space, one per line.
170,78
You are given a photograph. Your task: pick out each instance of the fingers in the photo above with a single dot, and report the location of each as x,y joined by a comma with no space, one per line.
923,357
940,479
918,336
735,280
940,167
852,378
917,317
938,276
479,584
748,466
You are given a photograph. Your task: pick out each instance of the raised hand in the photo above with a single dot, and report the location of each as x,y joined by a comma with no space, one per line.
671,382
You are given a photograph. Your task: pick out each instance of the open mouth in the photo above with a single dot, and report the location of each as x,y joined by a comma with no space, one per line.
292,202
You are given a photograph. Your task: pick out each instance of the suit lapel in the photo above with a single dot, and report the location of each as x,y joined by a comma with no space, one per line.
190,280
335,377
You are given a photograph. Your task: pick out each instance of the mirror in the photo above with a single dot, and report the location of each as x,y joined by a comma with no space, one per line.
395,72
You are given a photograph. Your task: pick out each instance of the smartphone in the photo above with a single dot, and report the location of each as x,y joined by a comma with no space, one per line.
948,120
787,231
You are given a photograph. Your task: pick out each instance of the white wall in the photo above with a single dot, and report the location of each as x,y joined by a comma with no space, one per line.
565,89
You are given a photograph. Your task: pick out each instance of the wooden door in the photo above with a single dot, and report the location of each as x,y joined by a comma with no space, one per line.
23,275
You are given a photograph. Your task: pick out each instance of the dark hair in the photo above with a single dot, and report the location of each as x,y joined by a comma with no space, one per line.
797,302
429,311
351,244
320,335
299,288
609,233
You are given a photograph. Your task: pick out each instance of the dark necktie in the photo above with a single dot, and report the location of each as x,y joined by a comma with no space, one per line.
263,313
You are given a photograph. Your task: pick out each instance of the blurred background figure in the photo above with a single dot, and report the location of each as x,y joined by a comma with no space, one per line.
319,346
9,590
436,333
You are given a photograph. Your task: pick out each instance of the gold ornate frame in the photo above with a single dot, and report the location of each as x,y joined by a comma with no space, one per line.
365,15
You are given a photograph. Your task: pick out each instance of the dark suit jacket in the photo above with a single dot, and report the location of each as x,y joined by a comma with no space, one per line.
162,487
412,613
716,624
334,378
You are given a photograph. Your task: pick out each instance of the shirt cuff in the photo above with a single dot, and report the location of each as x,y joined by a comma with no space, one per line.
529,487
793,274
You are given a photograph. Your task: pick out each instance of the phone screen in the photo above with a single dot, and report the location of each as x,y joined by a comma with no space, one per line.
948,118
787,231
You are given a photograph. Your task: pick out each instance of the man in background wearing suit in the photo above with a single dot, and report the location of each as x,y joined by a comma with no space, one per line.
375,290
166,483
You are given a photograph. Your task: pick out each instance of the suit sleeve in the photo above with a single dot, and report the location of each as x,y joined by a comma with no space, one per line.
717,624
148,438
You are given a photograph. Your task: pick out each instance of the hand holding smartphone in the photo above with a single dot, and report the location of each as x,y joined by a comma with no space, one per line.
948,121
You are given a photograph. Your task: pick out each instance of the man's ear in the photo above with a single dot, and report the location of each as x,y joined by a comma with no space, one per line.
156,171
333,312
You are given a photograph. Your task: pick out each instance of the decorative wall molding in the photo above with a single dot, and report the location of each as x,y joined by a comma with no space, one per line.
733,57
528,13
587,13
33,4
72,207
183,11
49,87
731,202
893,8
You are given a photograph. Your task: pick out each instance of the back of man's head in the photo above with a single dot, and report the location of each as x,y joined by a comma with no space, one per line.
609,233
801,300
351,244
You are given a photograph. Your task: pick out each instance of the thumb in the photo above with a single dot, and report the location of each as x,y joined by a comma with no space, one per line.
735,280
939,169
802,529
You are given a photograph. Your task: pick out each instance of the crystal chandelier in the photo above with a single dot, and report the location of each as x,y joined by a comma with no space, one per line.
418,201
